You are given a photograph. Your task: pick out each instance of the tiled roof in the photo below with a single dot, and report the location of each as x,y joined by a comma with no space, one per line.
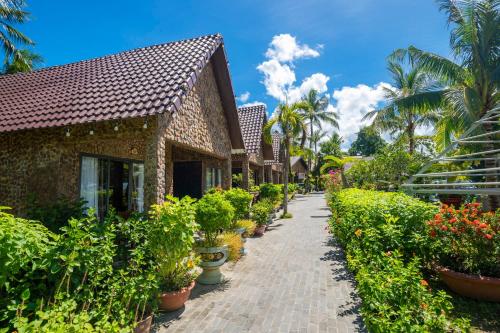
276,149
252,119
134,83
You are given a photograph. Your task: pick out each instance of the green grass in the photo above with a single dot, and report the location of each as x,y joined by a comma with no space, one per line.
286,216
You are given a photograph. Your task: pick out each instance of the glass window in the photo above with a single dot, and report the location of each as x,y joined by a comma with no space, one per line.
106,182
213,178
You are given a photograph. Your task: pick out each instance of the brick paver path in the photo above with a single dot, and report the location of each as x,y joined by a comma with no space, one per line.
293,279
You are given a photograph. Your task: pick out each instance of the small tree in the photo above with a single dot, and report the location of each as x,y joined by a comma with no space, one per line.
367,143
291,124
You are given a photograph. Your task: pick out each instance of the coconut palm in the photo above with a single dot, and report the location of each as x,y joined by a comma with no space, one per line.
11,14
315,111
23,61
401,119
470,81
291,124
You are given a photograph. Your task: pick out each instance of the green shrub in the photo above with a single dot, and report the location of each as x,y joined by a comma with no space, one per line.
260,211
293,188
56,214
271,192
384,235
171,237
214,214
240,200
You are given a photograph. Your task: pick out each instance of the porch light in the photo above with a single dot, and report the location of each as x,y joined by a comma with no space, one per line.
145,123
116,128
91,132
68,133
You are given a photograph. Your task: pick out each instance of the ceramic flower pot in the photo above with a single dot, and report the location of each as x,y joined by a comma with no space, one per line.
144,326
212,259
473,286
259,231
174,300
241,232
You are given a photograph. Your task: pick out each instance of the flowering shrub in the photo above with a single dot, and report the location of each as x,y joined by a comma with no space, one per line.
384,235
333,181
466,239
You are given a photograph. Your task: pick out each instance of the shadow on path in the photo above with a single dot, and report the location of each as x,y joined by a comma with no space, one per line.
336,257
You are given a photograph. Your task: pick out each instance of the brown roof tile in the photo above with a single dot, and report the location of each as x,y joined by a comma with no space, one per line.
276,149
252,119
134,83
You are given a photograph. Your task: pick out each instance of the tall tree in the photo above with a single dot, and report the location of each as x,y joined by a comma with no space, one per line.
291,124
332,146
470,82
23,61
12,14
403,119
367,143
315,111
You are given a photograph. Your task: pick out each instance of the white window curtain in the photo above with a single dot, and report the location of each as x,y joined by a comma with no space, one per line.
138,187
89,185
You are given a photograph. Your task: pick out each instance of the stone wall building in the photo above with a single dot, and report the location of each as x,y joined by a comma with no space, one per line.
299,169
250,163
273,169
122,130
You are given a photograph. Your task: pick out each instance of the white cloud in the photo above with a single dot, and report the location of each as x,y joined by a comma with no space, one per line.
284,48
278,70
352,103
252,104
244,97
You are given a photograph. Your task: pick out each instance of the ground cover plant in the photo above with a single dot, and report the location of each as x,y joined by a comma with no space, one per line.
385,239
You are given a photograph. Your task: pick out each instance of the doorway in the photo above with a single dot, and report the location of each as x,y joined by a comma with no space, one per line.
187,179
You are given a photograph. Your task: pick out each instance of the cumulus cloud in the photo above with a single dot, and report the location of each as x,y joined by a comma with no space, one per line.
352,103
279,73
243,98
284,48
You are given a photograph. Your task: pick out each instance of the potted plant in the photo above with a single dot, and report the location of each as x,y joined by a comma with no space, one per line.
171,237
234,243
240,200
214,214
249,227
465,244
260,214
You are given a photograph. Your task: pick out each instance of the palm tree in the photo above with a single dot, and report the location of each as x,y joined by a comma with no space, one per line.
469,82
315,111
291,124
11,14
23,61
401,119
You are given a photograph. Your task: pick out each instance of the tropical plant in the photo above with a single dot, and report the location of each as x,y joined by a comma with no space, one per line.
367,142
234,244
12,14
316,113
248,225
23,61
214,214
171,238
260,212
291,123
240,200
403,119
271,192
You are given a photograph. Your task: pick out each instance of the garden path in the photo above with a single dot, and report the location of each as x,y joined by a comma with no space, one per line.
293,279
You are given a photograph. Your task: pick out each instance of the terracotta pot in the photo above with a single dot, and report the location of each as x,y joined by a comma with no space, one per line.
473,286
144,326
259,231
174,300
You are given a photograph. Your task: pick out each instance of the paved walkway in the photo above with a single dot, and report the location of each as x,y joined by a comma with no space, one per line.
293,279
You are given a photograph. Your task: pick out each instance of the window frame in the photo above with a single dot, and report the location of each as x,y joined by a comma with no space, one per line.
108,159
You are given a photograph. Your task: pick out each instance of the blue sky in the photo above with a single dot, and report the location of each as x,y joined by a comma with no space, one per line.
343,42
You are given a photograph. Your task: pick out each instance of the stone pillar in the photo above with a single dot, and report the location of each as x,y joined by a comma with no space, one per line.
245,172
227,174
268,177
260,174
154,166
169,169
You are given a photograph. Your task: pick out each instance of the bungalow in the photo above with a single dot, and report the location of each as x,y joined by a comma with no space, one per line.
123,130
274,168
299,169
250,162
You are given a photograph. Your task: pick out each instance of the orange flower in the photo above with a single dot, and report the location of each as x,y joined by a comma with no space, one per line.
358,232
444,228
488,236
483,226
424,283
453,220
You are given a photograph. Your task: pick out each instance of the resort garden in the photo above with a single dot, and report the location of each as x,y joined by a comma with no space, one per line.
114,275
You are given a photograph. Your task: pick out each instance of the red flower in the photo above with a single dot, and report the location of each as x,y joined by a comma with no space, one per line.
453,229
483,226
433,233
444,228
488,236
453,220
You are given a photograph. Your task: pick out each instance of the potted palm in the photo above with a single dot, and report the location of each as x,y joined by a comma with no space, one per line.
214,214
465,244
171,237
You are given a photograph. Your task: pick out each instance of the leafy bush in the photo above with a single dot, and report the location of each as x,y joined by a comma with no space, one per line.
271,192
214,214
234,244
466,240
292,188
56,214
260,212
171,237
249,226
240,200
384,235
